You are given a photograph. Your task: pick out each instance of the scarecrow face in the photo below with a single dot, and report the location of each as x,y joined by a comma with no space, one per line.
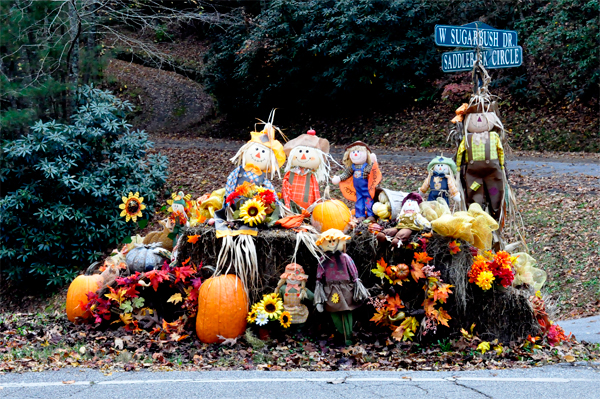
306,157
410,207
330,245
441,168
480,122
258,155
292,279
178,208
358,155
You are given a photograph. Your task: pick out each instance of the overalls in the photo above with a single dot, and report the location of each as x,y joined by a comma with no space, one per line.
363,197
438,187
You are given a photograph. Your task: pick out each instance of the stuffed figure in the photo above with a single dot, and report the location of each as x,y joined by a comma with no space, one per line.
306,167
481,155
359,179
440,180
260,156
338,290
292,288
409,219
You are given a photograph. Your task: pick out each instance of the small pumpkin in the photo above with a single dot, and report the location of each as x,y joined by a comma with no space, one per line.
401,271
144,258
161,237
331,214
222,308
77,294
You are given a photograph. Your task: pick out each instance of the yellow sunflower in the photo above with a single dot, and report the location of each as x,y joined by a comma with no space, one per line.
285,319
132,206
271,307
253,212
335,298
251,316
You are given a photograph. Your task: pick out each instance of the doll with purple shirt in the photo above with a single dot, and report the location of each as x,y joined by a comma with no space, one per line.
338,290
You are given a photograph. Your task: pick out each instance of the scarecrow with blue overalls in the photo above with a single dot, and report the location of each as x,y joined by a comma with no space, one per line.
440,180
359,179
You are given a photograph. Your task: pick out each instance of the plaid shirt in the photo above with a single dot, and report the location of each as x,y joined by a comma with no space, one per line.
239,175
496,150
303,189
348,172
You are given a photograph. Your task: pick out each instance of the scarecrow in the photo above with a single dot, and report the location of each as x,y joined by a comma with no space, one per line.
409,219
338,290
440,180
292,288
307,166
481,154
261,156
359,179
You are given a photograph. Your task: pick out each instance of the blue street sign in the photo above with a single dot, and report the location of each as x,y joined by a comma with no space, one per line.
454,61
475,34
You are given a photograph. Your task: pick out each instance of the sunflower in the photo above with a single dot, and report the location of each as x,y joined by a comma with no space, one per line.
253,212
271,307
335,298
285,319
132,206
252,316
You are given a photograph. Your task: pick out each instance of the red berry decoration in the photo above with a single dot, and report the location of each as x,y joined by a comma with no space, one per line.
311,132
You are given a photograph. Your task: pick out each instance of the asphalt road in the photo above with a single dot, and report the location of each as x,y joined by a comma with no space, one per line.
579,381
585,329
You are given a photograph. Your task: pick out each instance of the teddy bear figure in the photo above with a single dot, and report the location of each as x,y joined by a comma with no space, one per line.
440,180
409,220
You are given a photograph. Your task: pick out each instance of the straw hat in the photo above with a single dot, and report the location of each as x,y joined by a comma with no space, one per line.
264,139
443,160
332,234
309,139
294,270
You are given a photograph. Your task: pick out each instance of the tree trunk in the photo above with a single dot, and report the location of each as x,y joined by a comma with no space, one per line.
73,54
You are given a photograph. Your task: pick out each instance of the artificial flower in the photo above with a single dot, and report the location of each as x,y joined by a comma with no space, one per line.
253,212
261,319
556,335
285,319
132,206
454,247
271,307
480,265
178,217
267,197
245,189
335,298
485,279
252,316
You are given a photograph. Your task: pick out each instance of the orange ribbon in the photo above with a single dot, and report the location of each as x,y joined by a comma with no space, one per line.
250,167
460,112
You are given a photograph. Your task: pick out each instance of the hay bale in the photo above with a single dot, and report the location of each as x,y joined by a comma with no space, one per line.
503,314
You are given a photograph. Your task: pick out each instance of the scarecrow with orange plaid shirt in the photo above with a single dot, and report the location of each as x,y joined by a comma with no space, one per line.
307,166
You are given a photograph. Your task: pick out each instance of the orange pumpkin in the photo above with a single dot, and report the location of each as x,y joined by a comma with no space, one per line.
77,295
331,214
402,271
222,308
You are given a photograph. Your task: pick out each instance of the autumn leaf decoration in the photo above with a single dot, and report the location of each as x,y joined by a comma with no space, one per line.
454,247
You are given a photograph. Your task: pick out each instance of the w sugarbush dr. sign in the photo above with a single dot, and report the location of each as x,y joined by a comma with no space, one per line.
475,34
490,58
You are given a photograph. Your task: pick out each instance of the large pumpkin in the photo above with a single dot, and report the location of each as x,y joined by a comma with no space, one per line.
331,214
77,295
222,308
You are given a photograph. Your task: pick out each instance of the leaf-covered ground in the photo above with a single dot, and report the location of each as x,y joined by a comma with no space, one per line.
42,342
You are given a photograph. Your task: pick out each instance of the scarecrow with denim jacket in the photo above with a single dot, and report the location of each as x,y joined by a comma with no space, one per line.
440,180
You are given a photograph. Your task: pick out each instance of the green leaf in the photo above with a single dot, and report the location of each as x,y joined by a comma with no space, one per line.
143,223
126,306
127,240
138,302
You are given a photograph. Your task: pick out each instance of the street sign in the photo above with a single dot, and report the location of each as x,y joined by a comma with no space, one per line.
455,61
475,34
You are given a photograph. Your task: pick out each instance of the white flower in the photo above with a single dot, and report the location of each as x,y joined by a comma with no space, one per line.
262,319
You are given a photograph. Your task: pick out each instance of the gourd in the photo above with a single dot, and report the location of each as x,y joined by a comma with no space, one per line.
331,214
381,210
144,258
401,271
222,309
161,237
77,294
